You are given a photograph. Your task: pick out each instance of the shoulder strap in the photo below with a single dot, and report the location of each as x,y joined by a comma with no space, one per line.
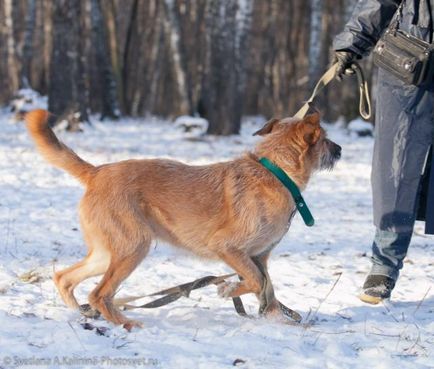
431,22
394,25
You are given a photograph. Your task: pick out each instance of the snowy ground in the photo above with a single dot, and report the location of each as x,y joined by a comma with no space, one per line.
39,233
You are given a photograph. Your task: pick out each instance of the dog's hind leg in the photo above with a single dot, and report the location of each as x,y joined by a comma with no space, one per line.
94,264
121,266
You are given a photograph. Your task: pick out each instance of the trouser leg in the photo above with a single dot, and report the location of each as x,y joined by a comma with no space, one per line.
388,252
403,135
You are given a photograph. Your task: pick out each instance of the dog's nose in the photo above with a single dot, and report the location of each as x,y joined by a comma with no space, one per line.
338,151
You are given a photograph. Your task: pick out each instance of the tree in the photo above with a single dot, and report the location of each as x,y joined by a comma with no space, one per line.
173,33
27,53
316,13
145,61
224,85
68,98
107,83
13,82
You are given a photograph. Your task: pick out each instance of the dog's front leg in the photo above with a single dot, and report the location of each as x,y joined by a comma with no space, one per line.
252,278
269,305
267,299
255,279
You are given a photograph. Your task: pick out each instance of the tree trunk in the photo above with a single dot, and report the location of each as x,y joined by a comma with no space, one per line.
173,32
224,85
26,61
316,12
13,82
67,93
47,42
107,83
109,13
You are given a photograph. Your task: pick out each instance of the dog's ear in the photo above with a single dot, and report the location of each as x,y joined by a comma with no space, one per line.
311,128
313,118
267,128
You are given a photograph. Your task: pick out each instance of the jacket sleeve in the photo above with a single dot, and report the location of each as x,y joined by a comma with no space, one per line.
365,27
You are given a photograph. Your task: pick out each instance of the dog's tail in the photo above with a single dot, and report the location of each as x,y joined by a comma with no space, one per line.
54,151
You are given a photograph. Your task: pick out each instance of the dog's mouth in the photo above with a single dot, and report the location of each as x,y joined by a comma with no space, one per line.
331,155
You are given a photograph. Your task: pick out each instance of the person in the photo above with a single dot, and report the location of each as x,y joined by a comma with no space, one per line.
404,131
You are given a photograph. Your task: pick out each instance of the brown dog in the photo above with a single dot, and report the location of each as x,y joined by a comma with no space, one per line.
235,211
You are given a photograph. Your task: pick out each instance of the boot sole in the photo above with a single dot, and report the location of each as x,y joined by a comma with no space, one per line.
370,299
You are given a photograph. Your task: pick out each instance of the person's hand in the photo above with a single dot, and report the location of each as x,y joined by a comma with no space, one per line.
345,59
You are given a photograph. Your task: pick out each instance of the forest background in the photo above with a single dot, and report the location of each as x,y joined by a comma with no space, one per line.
218,59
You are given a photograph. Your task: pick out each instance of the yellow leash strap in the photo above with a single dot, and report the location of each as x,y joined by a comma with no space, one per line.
327,77
173,293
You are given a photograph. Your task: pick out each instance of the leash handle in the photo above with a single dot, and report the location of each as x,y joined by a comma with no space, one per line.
327,77
364,99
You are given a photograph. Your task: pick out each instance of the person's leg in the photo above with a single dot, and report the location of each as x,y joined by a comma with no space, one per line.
388,252
403,134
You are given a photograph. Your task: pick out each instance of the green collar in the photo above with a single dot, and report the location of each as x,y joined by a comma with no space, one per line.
292,188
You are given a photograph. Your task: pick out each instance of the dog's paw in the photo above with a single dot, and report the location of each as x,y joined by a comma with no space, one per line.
130,324
89,312
225,289
279,313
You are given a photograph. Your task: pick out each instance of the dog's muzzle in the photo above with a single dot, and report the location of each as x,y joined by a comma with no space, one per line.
331,155
336,151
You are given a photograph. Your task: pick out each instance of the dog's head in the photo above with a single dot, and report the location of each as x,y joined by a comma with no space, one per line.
298,143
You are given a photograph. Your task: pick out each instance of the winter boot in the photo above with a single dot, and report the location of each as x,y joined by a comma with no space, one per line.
376,289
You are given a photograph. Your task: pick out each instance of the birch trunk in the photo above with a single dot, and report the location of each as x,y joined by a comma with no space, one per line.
10,47
26,63
173,31
224,86
316,9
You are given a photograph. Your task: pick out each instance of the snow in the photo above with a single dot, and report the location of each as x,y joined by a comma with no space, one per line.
360,127
27,99
192,126
39,234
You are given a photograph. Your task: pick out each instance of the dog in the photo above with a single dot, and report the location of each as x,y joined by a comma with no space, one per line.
235,211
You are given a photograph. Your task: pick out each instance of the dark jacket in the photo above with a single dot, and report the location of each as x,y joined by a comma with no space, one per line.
404,126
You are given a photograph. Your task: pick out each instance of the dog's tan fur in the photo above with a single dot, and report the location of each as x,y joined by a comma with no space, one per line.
232,211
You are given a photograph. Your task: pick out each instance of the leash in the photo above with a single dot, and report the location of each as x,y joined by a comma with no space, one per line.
173,293
183,290
364,99
169,295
